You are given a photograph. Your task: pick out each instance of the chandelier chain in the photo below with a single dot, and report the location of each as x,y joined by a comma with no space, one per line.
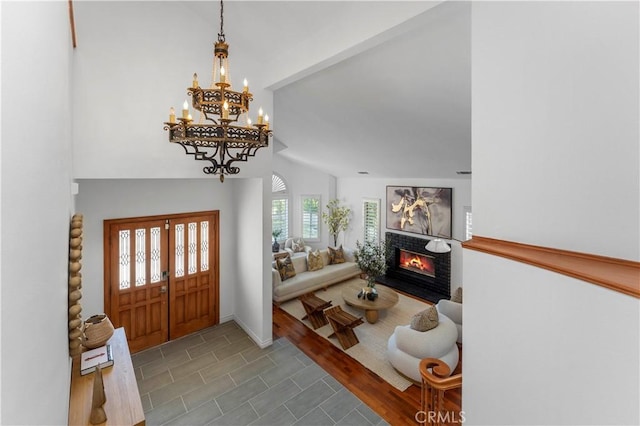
221,33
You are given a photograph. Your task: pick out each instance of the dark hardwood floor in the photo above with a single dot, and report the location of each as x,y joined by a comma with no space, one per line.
396,407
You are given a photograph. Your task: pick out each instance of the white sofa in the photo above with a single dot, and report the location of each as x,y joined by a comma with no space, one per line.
407,347
306,281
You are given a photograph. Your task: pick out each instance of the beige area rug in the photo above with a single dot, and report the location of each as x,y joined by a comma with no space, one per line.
372,349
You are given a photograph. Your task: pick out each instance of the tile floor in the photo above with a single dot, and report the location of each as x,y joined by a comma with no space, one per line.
219,376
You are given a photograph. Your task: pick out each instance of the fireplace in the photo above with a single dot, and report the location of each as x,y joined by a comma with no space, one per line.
414,270
416,262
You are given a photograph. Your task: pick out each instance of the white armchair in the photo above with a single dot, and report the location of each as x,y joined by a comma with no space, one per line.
296,247
407,347
453,310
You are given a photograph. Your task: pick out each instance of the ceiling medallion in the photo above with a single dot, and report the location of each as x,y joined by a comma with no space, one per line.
228,136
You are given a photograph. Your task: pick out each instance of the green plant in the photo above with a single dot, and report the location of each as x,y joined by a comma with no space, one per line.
336,218
371,258
276,233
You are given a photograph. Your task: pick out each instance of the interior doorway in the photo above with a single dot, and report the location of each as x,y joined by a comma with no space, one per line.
161,275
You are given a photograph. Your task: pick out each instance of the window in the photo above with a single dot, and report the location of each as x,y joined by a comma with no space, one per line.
311,217
371,219
279,207
467,223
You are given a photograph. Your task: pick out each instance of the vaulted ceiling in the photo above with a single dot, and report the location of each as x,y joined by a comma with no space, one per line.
382,87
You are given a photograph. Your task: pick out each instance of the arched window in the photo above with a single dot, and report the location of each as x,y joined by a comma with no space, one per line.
279,207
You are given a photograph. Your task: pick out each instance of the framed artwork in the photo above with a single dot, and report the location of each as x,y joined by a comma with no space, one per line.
421,210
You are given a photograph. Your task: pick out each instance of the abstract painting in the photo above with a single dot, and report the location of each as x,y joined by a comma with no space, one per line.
421,210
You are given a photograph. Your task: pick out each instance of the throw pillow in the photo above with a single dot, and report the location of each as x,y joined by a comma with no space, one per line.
425,320
336,255
457,295
285,268
314,261
298,245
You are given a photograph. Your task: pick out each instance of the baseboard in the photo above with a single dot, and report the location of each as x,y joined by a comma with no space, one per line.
261,343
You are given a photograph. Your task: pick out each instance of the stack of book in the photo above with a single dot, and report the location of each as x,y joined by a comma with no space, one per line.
102,356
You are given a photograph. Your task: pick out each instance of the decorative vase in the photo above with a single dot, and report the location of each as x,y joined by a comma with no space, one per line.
372,294
275,247
369,293
96,331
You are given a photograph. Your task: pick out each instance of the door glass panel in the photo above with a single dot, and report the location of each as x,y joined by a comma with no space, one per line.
204,246
141,255
193,244
179,250
155,255
124,260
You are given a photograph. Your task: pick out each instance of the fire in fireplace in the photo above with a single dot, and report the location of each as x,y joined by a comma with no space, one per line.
416,262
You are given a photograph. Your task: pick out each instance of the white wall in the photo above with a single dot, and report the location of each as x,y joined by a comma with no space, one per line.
134,61
555,125
36,210
353,190
252,308
556,164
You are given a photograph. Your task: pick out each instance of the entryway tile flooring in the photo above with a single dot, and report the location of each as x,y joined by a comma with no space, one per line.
219,376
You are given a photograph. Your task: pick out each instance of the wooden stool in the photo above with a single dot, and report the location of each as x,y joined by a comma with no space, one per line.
314,307
343,324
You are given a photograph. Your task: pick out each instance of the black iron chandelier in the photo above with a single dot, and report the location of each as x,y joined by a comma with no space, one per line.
229,136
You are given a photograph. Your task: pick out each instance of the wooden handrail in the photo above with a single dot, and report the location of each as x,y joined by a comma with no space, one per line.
435,382
619,275
439,376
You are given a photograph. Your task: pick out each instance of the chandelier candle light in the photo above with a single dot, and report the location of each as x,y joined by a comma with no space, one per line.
229,136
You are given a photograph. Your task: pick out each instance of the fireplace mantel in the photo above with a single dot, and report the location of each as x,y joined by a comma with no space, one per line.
431,288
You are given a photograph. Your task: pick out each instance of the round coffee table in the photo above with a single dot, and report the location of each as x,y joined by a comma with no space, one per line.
386,299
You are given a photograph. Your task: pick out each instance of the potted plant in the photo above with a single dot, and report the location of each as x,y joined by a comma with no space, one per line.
371,258
275,247
336,218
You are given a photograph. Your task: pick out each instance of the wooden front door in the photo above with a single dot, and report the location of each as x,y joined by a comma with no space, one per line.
193,292
161,276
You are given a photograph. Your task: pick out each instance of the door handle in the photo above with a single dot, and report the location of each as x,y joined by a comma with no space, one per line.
163,289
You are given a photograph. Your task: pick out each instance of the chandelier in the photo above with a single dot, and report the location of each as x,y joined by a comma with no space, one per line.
228,136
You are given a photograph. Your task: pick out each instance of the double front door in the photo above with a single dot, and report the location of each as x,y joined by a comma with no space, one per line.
161,276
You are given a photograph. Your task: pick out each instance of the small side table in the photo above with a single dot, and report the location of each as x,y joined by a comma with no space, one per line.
314,307
343,324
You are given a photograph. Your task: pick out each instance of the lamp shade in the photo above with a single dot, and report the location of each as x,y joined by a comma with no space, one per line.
437,246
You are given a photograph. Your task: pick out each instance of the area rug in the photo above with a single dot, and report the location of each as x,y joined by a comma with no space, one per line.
371,352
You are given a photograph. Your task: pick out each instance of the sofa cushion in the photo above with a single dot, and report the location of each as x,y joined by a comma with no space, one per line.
314,261
298,245
425,320
285,268
457,295
336,255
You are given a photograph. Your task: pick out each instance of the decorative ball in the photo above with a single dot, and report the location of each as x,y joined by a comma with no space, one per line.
75,310
75,281
75,266
75,323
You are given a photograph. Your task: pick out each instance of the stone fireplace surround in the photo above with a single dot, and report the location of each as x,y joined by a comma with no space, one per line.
419,285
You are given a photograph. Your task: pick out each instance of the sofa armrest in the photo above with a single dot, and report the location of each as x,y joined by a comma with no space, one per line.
275,278
452,310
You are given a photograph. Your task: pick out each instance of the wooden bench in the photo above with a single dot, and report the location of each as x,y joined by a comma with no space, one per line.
343,324
314,307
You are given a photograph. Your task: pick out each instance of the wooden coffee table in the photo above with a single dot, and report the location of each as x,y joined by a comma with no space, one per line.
387,298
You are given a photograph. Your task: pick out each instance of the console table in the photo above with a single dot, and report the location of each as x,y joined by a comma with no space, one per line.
123,406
